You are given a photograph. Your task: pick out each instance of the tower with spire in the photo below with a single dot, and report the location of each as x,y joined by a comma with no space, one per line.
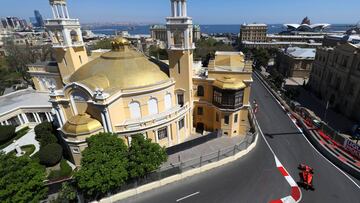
67,40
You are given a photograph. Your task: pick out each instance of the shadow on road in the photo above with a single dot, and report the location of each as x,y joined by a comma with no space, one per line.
271,135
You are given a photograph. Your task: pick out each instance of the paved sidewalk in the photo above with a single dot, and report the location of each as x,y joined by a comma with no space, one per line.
27,139
208,147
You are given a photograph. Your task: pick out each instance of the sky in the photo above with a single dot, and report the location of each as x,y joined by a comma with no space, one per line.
202,11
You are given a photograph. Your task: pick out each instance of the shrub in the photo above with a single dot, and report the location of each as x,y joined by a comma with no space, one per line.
47,139
42,128
44,134
51,154
6,133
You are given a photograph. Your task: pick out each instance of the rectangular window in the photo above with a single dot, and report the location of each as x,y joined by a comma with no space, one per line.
180,98
236,118
217,117
80,59
181,123
226,120
217,97
200,111
162,133
178,66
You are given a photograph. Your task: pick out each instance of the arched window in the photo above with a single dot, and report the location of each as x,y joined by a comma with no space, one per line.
79,102
153,106
168,101
135,111
200,91
74,36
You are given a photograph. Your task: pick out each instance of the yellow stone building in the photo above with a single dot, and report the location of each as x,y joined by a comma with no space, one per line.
125,92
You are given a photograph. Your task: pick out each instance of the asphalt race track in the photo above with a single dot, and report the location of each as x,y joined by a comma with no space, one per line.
255,178
292,148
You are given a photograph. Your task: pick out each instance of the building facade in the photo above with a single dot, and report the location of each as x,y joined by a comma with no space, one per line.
122,91
295,62
159,32
253,32
335,78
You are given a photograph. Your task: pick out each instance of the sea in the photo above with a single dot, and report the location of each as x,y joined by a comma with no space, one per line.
208,29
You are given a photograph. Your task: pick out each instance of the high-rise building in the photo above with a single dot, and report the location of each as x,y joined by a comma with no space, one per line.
39,19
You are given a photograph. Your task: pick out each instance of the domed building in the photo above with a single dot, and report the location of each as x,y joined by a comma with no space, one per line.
122,91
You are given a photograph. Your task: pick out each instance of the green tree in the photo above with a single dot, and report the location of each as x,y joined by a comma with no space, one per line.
206,48
144,156
158,53
67,193
261,57
103,44
22,179
103,165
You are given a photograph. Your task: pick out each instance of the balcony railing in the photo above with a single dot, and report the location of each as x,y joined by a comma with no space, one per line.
151,120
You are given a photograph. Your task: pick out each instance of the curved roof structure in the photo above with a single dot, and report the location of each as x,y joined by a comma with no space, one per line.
122,68
306,27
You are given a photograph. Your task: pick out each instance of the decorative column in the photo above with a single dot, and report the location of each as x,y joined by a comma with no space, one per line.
172,8
104,122
25,118
183,8
179,8
169,135
47,117
50,116
175,8
67,12
38,117
57,11
156,136
20,119
80,37
177,132
186,39
62,10
61,115
129,140
107,118
58,118
53,11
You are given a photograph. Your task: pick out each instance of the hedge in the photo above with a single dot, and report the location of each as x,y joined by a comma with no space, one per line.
51,154
7,133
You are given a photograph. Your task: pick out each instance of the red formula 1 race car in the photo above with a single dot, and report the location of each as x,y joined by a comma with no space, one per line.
306,176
